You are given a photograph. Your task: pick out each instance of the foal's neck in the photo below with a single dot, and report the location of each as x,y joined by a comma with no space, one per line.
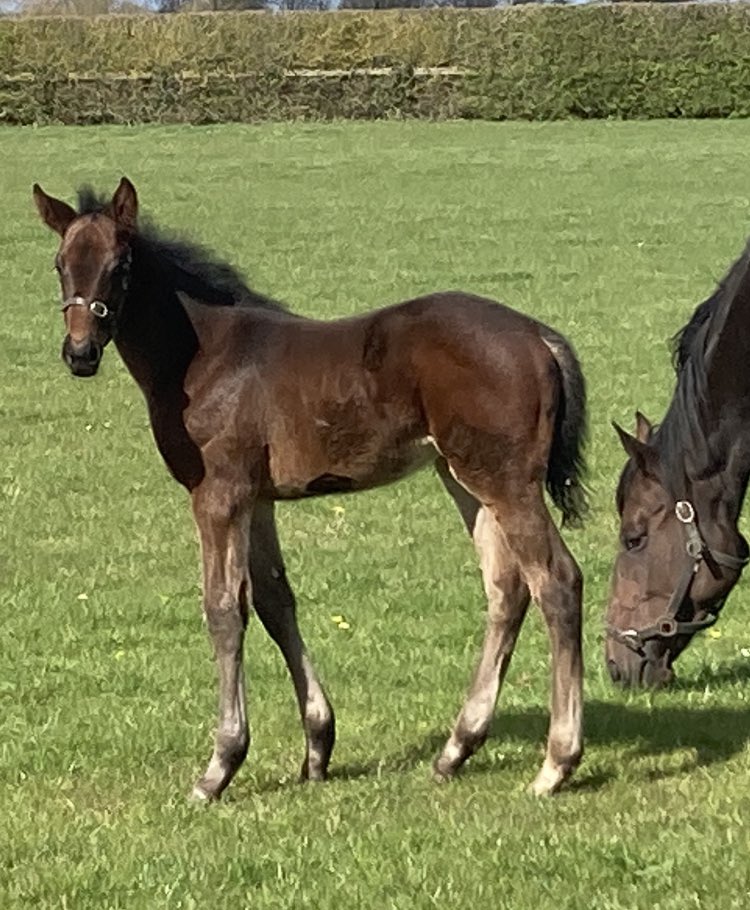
157,343
154,336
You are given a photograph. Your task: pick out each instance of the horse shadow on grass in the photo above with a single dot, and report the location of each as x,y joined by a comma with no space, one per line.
712,733
737,672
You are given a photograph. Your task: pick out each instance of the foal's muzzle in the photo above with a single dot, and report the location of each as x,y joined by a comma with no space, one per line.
82,356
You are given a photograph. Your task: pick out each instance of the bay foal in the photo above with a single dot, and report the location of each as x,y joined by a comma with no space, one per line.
250,404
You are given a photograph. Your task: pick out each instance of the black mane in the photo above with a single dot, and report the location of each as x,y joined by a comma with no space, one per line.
682,438
193,269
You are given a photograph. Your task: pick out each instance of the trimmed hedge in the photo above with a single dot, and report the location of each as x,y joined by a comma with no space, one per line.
529,62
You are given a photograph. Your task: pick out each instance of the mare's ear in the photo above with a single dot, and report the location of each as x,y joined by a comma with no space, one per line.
55,213
642,454
124,206
643,427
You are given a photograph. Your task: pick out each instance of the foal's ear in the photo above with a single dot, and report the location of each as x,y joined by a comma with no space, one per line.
55,213
124,206
643,427
642,454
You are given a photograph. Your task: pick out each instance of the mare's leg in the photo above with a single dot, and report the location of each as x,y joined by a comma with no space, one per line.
223,521
274,603
507,599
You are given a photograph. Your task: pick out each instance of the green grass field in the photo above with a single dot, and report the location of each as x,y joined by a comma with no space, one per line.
611,232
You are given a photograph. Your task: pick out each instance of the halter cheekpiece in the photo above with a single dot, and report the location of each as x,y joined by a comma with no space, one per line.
698,550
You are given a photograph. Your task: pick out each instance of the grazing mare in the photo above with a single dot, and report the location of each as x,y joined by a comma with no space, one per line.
250,404
681,492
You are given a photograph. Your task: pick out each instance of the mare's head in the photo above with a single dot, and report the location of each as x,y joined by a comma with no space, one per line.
680,494
678,559
93,263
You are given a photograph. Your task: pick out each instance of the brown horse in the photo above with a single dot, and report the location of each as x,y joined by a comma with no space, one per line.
250,404
681,492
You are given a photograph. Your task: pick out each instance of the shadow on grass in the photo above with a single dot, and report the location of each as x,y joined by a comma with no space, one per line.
737,672
715,733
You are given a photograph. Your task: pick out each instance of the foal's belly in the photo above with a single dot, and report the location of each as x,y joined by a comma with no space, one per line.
295,471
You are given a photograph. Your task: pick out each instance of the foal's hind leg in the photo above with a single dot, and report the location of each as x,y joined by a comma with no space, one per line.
275,605
555,582
507,598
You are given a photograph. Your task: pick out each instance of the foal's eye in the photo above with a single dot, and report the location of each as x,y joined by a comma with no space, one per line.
634,541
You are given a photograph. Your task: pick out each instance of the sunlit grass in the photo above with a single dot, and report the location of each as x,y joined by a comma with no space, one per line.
609,232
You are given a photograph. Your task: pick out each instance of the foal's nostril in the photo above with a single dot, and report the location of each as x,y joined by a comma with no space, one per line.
82,358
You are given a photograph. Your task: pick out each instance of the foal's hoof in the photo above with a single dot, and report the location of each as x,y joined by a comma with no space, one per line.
312,775
549,780
201,796
442,772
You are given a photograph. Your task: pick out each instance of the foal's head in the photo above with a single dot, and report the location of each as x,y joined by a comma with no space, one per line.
93,263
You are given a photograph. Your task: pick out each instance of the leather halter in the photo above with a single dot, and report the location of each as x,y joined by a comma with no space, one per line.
698,551
98,307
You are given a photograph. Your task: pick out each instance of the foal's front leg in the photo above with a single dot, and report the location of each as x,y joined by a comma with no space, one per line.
223,524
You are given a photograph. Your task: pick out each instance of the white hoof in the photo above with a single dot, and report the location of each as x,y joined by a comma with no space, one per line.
199,795
548,781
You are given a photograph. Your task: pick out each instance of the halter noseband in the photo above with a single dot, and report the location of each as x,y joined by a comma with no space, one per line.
698,550
98,307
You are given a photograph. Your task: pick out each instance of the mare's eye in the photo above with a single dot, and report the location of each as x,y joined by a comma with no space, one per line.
634,540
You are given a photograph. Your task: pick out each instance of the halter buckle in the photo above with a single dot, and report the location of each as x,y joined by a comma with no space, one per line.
695,549
667,626
684,511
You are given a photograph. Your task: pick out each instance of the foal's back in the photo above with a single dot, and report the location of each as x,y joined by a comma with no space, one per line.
353,403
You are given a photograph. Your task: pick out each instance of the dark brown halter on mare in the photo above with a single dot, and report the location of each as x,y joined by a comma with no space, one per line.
681,492
250,404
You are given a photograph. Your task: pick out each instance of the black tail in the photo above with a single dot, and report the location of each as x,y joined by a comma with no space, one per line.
567,464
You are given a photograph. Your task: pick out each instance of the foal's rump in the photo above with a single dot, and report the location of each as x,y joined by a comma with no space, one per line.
503,396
